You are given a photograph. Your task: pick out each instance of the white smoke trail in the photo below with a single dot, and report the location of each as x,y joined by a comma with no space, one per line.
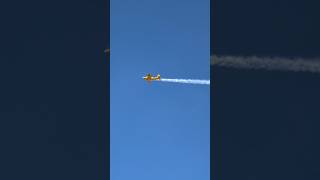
187,81
267,63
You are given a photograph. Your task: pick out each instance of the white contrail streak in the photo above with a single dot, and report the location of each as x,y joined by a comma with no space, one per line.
187,81
267,63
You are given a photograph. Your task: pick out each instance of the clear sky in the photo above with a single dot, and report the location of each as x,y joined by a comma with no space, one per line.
160,130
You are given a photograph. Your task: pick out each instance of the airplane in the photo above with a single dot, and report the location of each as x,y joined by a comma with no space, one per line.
107,51
150,78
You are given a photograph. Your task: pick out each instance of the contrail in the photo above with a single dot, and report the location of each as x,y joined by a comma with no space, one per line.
267,63
187,81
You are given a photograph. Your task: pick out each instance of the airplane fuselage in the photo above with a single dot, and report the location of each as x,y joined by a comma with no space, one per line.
150,78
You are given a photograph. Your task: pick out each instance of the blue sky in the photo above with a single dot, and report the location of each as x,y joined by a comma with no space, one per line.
159,130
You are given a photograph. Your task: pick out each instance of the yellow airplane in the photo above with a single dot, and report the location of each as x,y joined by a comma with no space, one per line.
150,78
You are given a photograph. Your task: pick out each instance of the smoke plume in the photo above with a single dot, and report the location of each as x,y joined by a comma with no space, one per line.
267,63
187,81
